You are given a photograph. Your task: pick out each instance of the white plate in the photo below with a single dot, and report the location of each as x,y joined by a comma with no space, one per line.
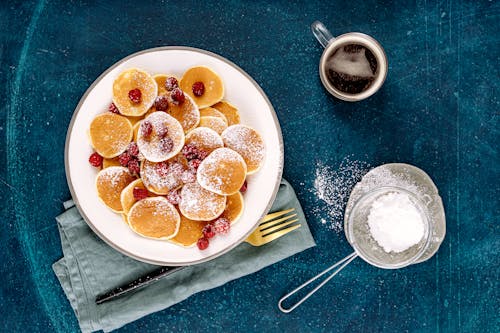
255,111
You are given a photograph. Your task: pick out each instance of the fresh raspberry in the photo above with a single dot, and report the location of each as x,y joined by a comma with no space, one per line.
243,188
202,154
166,144
135,95
133,149
222,225
162,168
174,197
146,129
162,131
124,159
95,160
140,193
112,108
161,103
188,177
171,83
178,96
190,151
208,231
202,243
133,166
198,88
194,164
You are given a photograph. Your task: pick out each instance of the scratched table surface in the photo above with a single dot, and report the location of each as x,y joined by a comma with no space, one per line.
437,110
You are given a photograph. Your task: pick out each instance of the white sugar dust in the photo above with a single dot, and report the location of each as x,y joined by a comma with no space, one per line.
333,186
395,222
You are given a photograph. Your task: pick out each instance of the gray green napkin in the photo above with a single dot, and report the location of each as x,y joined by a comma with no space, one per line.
90,267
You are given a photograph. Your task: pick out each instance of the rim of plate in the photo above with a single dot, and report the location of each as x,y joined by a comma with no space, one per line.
173,48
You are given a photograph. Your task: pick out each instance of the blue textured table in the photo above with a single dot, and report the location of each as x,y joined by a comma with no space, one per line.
437,110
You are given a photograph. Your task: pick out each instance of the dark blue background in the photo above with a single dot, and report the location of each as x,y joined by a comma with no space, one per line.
438,110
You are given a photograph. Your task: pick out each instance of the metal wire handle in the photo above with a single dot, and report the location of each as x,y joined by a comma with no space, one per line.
344,262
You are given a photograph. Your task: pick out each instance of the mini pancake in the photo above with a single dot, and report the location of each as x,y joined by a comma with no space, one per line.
109,162
127,196
189,232
155,218
212,113
135,131
110,134
200,204
134,79
234,207
186,113
215,123
214,88
248,143
222,172
151,146
205,139
110,183
228,110
160,81
163,177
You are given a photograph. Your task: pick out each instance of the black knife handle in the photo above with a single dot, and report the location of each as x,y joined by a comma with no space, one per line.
141,282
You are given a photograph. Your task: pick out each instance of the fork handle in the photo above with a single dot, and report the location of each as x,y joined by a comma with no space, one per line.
344,262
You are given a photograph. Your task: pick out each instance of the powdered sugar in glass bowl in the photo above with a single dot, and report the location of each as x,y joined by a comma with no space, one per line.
368,247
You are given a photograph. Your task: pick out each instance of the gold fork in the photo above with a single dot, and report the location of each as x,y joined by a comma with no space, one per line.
273,226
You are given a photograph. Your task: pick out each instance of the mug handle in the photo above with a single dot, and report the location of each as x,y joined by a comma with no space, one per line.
321,33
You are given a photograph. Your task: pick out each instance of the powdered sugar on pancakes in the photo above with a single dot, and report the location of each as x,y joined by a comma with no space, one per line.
204,138
134,79
200,204
186,113
110,182
222,172
161,178
154,218
151,146
248,143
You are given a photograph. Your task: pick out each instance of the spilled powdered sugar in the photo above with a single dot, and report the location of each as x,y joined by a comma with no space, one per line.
333,187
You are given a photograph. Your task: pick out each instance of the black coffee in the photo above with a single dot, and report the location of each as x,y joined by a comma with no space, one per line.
351,68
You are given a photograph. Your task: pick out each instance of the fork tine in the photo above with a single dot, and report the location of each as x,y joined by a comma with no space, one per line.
280,233
269,224
277,227
274,215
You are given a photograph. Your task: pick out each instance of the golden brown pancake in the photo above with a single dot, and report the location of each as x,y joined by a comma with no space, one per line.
160,81
205,139
214,88
200,204
154,217
134,79
110,183
234,207
189,232
228,110
222,172
109,162
127,198
186,113
110,134
211,112
248,143
151,146
215,123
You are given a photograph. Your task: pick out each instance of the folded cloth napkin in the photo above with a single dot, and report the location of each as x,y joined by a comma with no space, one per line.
90,267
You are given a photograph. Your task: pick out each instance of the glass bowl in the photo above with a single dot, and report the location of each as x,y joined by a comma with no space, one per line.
367,248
